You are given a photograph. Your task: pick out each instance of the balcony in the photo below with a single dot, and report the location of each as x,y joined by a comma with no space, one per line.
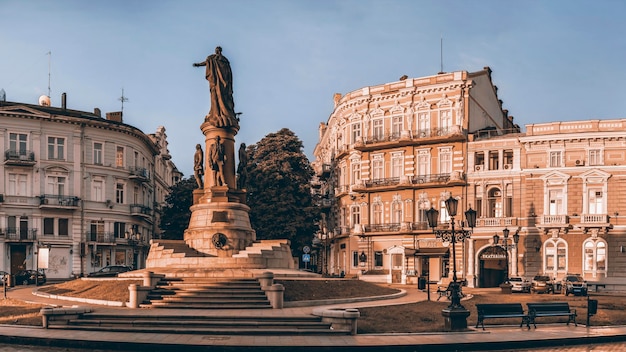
597,222
19,234
55,201
19,157
100,237
432,178
325,171
554,223
140,210
389,227
139,174
390,181
496,222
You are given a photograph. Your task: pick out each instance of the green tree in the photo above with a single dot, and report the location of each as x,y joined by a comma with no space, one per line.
279,194
176,213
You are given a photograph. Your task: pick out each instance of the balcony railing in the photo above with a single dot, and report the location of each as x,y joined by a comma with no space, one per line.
383,182
56,200
140,210
100,237
389,227
432,178
554,219
496,222
139,173
20,234
594,219
19,157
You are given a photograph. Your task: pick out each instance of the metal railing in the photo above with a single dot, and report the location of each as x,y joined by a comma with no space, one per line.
19,155
432,178
57,199
139,209
20,234
100,237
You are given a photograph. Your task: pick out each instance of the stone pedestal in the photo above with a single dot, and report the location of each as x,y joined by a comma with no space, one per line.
455,319
506,288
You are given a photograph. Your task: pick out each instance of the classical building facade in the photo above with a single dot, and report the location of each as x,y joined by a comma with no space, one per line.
86,188
386,155
389,153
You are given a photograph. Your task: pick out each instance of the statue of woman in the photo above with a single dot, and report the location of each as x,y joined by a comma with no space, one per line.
220,78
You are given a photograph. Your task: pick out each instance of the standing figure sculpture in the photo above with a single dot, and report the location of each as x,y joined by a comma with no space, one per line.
220,78
241,168
217,157
198,166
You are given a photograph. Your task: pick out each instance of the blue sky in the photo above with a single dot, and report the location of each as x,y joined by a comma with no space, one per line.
551,60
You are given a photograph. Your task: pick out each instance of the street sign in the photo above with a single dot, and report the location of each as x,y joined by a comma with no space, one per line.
306,258
306,249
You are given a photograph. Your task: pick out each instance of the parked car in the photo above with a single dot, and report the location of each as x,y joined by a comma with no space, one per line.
541,284
29,277
575,284
520,284
110,271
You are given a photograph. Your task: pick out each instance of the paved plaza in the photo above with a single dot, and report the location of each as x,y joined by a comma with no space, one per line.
494,338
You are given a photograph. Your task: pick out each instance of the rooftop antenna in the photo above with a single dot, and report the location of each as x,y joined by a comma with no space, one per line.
441,53
49,53
123,99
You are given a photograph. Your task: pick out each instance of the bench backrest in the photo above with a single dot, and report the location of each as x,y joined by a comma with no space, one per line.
499,308
548,307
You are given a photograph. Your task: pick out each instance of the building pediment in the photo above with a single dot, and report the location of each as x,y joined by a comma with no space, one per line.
595,176
555,178
21,110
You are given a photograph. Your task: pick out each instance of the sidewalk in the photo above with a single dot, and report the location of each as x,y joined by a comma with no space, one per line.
492,338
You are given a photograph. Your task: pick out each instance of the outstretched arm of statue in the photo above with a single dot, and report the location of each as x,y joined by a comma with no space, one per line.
198,64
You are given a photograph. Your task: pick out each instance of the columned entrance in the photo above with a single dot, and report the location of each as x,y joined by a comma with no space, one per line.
492,267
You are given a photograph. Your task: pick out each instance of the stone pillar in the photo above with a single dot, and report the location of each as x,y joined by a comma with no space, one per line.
275,294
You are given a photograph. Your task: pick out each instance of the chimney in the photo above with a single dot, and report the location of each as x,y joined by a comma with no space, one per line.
114,116
97,112
64,101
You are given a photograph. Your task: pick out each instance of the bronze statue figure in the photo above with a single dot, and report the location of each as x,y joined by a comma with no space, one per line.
198,166
241,168
217,157
220,78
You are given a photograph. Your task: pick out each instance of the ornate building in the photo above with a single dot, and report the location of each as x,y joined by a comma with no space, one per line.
386,155
86,188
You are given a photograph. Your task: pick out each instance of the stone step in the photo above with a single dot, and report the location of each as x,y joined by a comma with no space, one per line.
215,300
191,305
209,330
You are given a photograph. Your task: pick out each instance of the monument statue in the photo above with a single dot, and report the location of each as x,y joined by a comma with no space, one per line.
241,167
198,166
220,78
217,157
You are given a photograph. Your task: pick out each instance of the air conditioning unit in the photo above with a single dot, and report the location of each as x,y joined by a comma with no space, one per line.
478,167
508,166
580,162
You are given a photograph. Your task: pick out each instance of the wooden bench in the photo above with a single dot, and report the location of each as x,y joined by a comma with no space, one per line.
443,289
501,310
551,309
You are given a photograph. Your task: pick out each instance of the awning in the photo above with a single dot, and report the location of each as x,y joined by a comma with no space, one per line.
432,252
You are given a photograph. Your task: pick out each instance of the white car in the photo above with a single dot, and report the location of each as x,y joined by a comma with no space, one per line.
520,284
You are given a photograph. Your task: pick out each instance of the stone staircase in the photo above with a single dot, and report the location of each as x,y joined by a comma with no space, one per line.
207,293
195,323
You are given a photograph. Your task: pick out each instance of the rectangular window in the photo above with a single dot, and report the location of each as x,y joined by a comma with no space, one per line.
445,161
355,215
17,184
423,163
446,121
596,201
378,168
64,227
97,190
378,131
424,124
355,259
119,229
396,126
56,148
48,226
397,165
595,157
119,193
356,132
378,258
555,158
56,185
18,143
356,172
119,157
97,153
556,202
377,210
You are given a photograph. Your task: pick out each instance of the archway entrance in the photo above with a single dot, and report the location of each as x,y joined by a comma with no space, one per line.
492,267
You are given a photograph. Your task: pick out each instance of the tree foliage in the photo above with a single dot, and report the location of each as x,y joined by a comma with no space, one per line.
279,194
176,213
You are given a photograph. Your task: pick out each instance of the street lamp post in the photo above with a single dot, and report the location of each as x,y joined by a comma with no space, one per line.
506,286
455,315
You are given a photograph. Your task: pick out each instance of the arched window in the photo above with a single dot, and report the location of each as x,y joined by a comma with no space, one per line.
495,203
555,257
594,257
396,211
